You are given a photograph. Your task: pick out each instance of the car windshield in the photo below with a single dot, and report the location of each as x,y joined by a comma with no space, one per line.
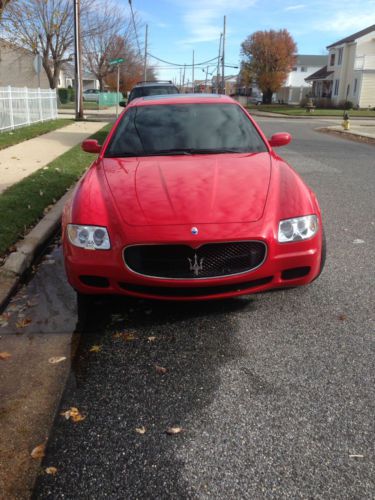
184,129
152,90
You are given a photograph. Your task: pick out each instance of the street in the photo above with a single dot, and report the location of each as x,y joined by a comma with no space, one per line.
272,395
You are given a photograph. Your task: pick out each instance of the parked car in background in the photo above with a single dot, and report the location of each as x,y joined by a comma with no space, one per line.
91,95
143,89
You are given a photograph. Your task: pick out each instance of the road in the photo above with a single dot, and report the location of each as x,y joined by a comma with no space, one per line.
275,392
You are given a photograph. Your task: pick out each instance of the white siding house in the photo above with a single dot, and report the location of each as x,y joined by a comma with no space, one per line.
295,87
350,71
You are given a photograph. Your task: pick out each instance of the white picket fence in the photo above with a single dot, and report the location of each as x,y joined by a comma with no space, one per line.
23,106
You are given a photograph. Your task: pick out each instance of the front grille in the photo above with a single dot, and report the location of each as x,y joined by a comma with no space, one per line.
202,291
183,262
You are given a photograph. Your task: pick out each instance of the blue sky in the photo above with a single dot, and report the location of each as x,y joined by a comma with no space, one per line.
177,27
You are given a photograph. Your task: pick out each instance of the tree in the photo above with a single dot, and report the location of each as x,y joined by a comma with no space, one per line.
46,27
3,5
110,32
271,55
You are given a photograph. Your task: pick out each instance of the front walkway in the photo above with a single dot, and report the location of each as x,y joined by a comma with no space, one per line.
21,160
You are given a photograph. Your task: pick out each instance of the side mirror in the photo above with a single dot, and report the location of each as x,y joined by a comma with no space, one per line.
123,103
280,139
91,146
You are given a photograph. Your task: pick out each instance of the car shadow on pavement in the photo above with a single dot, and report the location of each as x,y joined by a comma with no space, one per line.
140,368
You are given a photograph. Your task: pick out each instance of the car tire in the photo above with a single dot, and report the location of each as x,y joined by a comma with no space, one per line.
323,256
324,253
84,303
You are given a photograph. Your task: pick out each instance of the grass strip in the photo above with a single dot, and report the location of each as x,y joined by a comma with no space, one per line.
297,111
29,132
23,204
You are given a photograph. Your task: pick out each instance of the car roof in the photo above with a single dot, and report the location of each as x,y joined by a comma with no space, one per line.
181,98
154,84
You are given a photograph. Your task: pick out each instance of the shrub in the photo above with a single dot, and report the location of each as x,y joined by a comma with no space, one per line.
345,105
63,95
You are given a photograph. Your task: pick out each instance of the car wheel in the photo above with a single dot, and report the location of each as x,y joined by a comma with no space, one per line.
84,302
324,253
323,256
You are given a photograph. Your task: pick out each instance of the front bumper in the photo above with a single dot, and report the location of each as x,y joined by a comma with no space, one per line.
104,272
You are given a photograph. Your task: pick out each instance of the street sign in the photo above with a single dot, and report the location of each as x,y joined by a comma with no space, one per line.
37,63
119,60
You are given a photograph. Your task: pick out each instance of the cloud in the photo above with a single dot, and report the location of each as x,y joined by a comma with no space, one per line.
344,22
204,18
295,7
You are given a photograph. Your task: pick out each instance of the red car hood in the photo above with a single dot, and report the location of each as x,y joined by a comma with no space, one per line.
189,190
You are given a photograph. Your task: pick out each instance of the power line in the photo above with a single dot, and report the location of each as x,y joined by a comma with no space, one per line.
182,65
135,28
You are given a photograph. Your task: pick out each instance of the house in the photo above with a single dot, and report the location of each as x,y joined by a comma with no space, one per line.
17,67
295,87
17,70
67,78
231,84
349,74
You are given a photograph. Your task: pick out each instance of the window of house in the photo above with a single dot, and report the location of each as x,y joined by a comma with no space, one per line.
294,68
339,59
332,60
355,86
336,90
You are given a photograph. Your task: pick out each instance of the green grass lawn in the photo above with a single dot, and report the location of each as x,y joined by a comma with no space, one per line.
23,204
29,132
86,105
297,111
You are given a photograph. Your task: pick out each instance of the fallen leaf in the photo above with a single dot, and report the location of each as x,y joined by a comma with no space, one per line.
174,430
140,430
38,451
151,339
31,303
5,355
96,348
56,359
23,323
358,241
41,192
51,470
4,318
160,369
342,317
73,414
125,336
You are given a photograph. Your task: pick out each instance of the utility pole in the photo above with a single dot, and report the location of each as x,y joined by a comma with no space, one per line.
192,75
218,66
78,60
183,77
223,57
205,83
145,62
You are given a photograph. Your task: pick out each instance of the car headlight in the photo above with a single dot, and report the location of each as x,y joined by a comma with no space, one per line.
300,228
89,237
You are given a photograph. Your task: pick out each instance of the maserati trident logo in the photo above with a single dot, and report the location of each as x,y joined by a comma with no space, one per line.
196,266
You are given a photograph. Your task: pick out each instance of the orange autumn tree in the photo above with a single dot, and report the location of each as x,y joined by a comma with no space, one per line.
270,56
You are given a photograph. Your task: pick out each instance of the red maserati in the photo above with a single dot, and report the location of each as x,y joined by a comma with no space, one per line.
187,200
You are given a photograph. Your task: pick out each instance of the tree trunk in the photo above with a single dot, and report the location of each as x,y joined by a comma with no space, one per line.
101,83
267,96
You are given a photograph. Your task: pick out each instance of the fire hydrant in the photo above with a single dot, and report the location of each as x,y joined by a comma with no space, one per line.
346,121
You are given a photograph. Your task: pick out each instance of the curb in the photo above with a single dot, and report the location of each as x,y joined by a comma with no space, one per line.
19,261
352,136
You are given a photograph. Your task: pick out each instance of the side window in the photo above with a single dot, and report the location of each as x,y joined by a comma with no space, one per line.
336,91
332,60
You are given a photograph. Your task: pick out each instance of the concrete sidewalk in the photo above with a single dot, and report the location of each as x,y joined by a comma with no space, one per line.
21,160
